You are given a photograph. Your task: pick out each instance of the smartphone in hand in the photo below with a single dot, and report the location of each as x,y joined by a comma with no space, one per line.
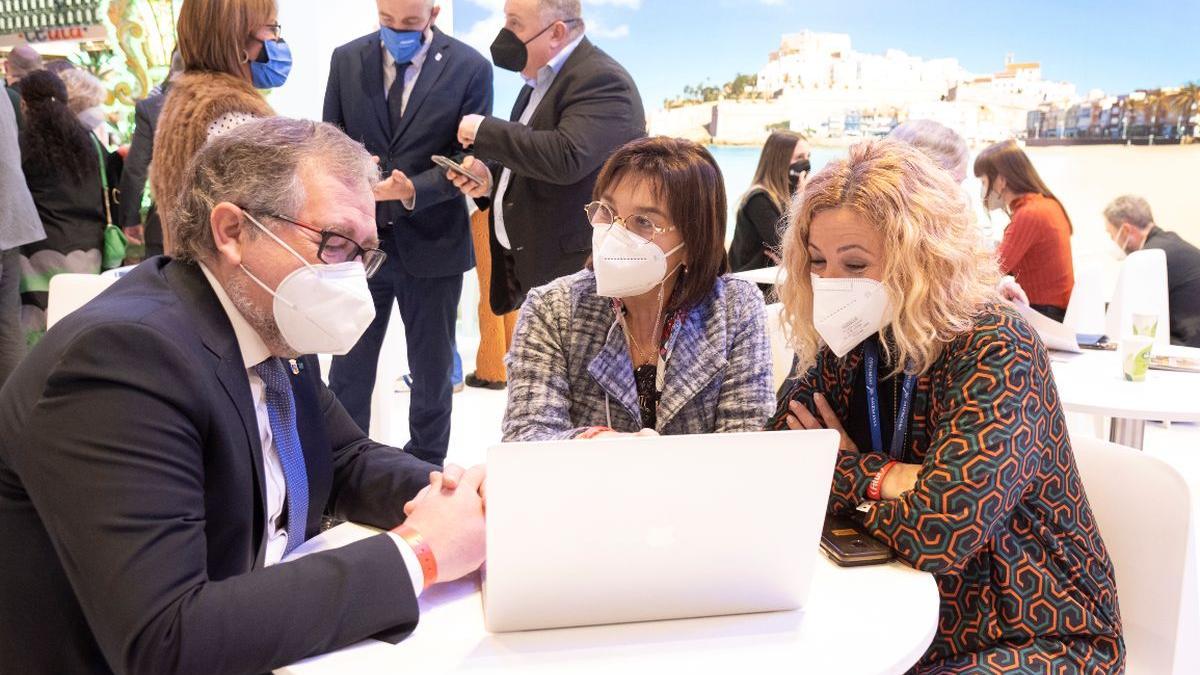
454,167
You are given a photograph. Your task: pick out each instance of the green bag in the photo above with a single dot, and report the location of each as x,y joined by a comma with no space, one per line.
115,242
115,245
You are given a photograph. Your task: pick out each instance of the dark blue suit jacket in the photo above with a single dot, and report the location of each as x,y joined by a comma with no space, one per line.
132,499
433,240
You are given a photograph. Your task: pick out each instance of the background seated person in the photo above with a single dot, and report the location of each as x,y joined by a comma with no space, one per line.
782,168
1036,248
654,335
1131,225
164,447
964,469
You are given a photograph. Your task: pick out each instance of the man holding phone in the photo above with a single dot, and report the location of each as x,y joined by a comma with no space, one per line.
401,92
577,107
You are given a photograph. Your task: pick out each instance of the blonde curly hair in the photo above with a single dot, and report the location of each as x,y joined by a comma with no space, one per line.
936,273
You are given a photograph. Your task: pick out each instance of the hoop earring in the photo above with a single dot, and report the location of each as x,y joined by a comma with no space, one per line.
245,57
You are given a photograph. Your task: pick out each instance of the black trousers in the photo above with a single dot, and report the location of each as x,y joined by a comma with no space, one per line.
1056,313
428,307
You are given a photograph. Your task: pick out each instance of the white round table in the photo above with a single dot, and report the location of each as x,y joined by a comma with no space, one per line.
1092,383
893,604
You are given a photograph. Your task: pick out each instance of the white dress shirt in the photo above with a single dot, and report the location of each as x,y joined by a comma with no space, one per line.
410,80
255,351
545,77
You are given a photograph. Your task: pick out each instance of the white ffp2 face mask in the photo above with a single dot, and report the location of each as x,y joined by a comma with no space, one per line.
992,201
626,266
848,311
320,309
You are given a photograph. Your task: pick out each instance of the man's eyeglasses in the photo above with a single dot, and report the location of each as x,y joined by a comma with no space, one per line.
337,248
602,216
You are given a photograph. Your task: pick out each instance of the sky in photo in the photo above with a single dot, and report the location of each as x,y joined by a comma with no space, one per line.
666,44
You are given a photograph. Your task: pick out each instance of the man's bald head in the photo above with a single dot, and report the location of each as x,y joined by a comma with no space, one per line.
22,60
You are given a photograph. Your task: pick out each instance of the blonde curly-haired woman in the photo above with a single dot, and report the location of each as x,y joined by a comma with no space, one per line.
953,442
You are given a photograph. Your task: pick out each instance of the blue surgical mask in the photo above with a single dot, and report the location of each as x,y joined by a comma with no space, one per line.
403,45
271,68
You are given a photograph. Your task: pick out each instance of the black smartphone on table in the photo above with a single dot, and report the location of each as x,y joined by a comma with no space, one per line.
848,544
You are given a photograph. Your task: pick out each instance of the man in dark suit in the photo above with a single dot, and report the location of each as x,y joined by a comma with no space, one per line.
137,168
1130,224
577,107
401,92
163,448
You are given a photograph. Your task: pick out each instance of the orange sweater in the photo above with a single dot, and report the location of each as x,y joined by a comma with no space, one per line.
1037,250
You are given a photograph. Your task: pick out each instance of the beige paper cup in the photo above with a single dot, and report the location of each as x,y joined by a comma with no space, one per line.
1135,357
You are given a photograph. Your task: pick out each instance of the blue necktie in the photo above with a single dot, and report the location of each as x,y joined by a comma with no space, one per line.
395,98
281,410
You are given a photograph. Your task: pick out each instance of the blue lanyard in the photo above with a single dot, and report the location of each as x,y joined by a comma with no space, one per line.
871,366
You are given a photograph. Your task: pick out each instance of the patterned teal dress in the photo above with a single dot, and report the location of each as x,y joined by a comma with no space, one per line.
998,514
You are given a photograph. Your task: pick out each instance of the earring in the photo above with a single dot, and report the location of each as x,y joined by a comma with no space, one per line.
245,57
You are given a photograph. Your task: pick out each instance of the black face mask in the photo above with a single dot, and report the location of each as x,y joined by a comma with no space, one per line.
509,52
798,167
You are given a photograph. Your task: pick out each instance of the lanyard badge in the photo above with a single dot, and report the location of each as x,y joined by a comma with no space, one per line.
871,366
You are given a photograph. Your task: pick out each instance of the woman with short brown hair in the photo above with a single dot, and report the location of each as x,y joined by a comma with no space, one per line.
230,49
654,337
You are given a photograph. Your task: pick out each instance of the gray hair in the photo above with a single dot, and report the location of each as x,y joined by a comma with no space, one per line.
258,166
563,10
23,60
1130,209
941,143
84,90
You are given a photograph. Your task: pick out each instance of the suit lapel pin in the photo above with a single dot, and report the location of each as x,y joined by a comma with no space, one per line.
437,56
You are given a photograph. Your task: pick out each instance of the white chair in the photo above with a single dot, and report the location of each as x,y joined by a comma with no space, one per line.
781,351
1141,288
69,292
1143,509
1085,310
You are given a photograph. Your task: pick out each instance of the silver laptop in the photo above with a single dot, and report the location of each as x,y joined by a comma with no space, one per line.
638,529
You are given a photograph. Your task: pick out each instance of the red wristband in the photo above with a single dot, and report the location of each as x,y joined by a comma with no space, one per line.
423,552
592,432
873,490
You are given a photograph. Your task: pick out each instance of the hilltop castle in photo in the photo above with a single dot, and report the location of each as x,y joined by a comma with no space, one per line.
816,83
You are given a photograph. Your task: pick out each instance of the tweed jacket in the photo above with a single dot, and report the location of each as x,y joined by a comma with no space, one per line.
569,367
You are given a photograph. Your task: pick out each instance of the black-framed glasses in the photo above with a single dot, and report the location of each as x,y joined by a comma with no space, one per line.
602,216
338,248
